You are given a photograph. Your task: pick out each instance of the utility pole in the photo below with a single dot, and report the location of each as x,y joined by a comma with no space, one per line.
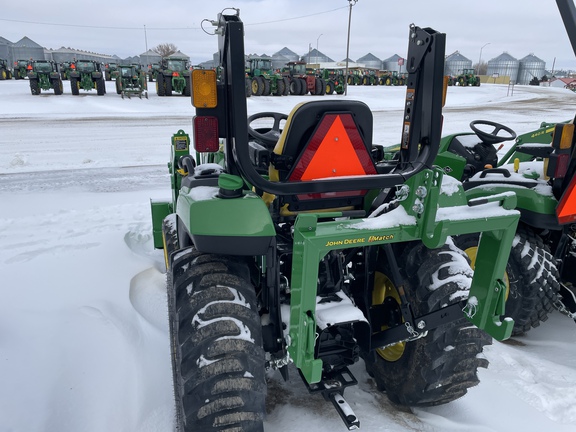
352,3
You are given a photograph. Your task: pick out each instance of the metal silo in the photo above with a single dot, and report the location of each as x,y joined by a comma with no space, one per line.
5,50
455,63
391,64
26,49
531,67
370,61
504,65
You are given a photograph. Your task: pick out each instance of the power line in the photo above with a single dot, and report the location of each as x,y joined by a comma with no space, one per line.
161,28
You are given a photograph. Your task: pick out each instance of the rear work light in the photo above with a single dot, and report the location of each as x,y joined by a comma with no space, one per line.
204,88
206,134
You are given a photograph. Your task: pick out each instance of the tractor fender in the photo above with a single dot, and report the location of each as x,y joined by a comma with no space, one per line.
231,226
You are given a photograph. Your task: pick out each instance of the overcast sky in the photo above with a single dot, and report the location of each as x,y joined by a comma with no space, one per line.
487,27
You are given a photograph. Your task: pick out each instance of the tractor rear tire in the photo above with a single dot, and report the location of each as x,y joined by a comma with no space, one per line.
168,86
188,89
439,367
329,87
531,276
286,86
303,86
257,86
218,363
34,87
74,86
267,87
279,87
160,87
58,86
295,87
118,85
100,86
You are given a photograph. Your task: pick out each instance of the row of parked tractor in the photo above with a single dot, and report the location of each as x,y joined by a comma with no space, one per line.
172,75
298,79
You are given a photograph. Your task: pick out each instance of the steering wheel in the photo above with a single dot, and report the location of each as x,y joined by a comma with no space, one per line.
267,136
492,137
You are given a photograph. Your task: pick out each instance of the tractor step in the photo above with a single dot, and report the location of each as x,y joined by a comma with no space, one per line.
345,411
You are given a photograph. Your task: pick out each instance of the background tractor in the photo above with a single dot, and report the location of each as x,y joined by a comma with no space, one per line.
87,75
110,71
153,69
334,79
540,168
44,75
5,71
303,80
173,76
131,80
392,78
468,77
20,69
65,68
289,239
263,80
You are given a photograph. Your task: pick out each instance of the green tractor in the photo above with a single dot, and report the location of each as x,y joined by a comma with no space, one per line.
264,81
173,77
355,76
44,75
131,81
334,79
65,68
153,69
467,78
540,168
392,78
110,71
370,77
20,70
298,244
87,75
5,71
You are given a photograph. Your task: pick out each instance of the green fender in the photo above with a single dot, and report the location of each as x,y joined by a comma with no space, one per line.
231,226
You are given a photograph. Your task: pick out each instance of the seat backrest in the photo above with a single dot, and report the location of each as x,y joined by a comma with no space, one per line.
325,139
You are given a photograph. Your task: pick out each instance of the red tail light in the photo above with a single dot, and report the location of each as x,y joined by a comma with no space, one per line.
206,134
175,74
29,67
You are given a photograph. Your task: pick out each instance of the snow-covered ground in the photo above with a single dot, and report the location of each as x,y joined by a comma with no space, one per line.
83,327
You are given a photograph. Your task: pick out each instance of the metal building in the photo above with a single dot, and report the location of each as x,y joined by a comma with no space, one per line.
392,64
455,63
26,49
150,57
504,65
530,67
370,61
5,45
285,55
315,56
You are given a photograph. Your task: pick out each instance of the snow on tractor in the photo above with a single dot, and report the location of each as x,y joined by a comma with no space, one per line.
44,75
131,81
290,242
87,75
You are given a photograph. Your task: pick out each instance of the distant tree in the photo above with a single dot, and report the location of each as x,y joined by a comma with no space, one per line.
544,78
534,81
481,67
165,49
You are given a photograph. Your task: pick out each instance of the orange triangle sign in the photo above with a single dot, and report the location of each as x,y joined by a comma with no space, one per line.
566,210
331,152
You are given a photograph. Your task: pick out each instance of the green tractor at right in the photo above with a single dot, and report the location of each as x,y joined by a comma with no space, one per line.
44,75
20,70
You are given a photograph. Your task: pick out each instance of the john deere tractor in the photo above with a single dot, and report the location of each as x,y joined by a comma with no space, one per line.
263,80
131,81
294,242
20,70
173,77
468,77
44,75
303,80
87,75
334,79
5,71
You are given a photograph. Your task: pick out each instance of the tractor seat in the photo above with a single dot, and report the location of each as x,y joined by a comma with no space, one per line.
320,140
